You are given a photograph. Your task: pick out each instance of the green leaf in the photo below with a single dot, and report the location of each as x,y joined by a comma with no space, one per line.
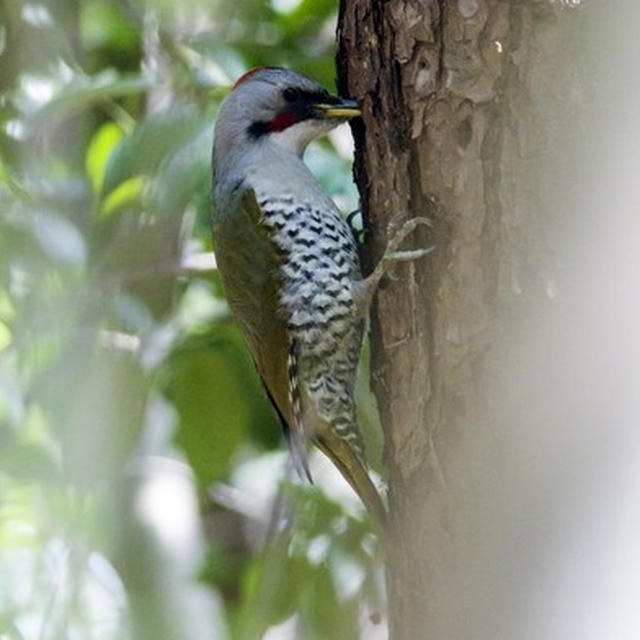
13,185
271,588
142,151
185,174
84,92
102,24
98,152
212,382
209,398
28,461
125,193
59,237
322,613
5,336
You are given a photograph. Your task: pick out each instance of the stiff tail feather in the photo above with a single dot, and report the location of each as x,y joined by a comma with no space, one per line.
355,473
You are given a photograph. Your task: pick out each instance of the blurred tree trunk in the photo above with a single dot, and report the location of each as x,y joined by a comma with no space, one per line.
463,101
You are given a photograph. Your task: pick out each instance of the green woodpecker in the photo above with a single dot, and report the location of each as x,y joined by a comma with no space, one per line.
289,265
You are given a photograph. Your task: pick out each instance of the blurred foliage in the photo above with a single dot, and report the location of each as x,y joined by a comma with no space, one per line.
143,478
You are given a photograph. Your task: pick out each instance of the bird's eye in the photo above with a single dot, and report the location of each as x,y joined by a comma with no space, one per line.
290,94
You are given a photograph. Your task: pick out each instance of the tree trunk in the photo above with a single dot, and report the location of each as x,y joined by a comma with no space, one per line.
478,114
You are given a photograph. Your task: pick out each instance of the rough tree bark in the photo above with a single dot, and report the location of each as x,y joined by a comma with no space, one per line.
464,102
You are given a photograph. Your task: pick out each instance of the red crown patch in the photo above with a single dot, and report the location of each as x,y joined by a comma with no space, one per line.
249,73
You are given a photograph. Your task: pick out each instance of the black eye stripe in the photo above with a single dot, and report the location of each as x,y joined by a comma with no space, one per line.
293,95
301,103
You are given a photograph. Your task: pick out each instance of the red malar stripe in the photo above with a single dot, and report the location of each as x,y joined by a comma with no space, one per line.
283,120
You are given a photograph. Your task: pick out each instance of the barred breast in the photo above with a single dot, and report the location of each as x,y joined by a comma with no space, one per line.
319,264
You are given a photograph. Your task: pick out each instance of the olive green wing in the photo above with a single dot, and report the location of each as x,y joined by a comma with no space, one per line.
251,273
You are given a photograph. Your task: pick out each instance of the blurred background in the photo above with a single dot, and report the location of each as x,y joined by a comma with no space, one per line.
140,464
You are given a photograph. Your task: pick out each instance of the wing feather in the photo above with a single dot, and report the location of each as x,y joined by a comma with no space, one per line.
250,267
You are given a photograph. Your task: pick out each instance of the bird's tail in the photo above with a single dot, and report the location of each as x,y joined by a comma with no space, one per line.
298,450
355,473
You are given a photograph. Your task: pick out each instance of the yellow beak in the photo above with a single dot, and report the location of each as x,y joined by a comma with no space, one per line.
343,109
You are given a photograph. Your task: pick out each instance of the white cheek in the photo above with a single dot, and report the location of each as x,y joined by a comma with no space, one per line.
298,136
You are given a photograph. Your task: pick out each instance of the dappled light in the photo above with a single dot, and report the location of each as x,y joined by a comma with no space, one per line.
145,489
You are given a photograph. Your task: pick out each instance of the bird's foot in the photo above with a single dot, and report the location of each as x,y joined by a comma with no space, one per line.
399,233
364,289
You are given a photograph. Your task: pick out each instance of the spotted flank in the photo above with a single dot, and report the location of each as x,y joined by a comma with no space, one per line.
319,264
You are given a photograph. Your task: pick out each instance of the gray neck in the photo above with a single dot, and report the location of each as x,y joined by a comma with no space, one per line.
264,164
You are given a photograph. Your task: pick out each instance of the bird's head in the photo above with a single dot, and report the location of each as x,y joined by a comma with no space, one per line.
279,106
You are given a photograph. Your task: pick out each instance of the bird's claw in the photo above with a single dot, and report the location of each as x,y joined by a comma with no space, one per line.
398,234
357,231
407,256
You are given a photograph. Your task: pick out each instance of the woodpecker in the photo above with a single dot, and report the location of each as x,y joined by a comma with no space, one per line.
289,265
